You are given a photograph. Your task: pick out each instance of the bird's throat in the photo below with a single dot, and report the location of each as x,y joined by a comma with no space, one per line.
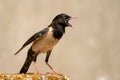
58,32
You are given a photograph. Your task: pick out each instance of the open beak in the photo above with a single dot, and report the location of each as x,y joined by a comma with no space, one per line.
71,19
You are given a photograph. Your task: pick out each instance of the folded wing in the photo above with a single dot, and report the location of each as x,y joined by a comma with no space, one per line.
36,36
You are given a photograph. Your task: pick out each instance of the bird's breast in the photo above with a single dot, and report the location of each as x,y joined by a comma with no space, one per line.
45,44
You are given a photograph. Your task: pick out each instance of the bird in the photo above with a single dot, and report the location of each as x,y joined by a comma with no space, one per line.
44,41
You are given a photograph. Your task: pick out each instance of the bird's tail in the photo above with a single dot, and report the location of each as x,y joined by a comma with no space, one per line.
28,61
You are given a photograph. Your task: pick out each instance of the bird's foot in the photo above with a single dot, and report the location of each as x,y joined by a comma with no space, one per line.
53,71
57,73
42,75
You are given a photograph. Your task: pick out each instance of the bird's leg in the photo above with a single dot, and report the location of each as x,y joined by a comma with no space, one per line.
51,67
36,67
46,60
35,64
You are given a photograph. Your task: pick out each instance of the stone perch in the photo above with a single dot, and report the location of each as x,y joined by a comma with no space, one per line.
31,76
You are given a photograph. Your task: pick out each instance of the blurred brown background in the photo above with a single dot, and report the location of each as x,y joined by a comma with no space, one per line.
91,51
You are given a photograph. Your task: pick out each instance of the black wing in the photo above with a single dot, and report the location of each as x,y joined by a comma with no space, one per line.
37,35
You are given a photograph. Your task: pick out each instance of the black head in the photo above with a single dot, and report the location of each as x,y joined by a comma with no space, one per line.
62,19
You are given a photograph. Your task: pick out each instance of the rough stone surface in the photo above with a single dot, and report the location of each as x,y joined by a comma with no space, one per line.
47,76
